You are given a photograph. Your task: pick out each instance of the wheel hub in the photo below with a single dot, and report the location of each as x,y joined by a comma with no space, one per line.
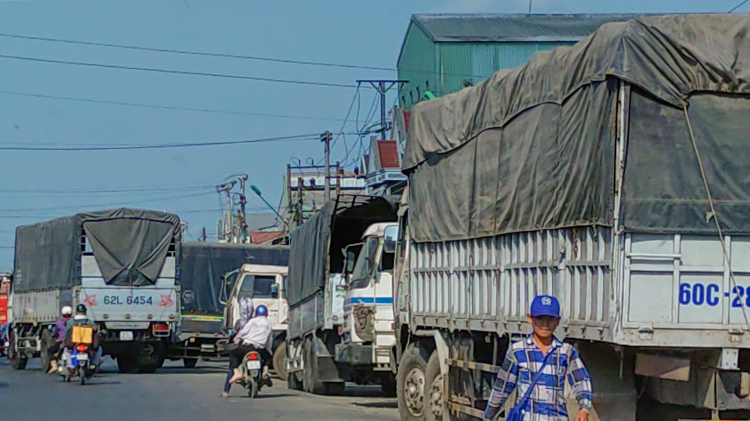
414,387
436,397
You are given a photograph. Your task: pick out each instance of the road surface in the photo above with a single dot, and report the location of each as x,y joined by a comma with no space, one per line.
174,393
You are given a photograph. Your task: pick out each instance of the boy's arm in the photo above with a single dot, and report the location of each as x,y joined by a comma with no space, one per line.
579,379
506,381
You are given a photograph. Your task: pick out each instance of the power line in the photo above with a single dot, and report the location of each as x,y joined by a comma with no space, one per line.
162,107
103,191
101,205
175,72
738,6
195,53
159,146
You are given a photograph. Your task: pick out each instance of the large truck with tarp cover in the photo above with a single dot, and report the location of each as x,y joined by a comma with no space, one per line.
316,291
208,272
122,264
612,174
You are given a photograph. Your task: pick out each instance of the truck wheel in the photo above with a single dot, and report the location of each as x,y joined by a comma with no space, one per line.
310,382
434,394
292,382
279,355
410,383
45,354
17,360
189,362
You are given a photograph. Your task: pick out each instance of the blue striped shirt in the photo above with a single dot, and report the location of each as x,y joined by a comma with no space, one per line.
547,401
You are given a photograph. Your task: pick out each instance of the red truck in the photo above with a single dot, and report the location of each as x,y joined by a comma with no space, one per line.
4,290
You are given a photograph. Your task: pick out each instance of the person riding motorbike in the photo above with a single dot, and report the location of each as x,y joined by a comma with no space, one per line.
58,336
81,319
255,335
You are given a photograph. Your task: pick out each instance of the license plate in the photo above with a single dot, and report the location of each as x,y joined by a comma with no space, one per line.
82,357
126,336
253,365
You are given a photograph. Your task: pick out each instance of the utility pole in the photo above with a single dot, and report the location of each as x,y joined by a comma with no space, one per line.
326,139
300,202
382,87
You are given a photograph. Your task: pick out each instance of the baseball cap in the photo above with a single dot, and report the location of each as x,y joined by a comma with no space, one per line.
545,305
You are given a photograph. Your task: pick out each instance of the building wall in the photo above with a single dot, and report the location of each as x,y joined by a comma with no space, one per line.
418,65
444,68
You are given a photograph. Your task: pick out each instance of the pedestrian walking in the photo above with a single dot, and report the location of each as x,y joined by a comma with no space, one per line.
539,365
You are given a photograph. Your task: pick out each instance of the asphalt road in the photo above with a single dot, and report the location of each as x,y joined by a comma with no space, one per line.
174,393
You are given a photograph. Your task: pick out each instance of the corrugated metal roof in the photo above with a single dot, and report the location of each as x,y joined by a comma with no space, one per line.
509,28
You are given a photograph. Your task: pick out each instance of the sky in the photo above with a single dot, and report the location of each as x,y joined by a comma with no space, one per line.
40,185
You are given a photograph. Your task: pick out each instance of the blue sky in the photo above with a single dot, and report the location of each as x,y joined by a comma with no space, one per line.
36,186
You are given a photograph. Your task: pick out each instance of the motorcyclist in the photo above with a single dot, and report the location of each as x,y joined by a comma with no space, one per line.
255,335
81,319
58,335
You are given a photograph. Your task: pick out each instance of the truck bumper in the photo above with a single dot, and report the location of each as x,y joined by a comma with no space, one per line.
354,354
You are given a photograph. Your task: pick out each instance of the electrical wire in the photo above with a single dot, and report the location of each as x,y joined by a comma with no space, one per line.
738,6
162,107
159,146
103,205
194,53
154,190
346,118
175,72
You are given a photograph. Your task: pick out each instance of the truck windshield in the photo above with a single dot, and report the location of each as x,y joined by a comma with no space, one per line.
257,286
366,265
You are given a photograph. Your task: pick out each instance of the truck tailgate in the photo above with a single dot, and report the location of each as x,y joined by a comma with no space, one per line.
130,304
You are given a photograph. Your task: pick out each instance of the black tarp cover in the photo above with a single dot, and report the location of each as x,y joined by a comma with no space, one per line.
316,246
130,246
204,264
534,147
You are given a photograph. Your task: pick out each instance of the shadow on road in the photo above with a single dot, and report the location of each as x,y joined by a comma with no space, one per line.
3,385
384,405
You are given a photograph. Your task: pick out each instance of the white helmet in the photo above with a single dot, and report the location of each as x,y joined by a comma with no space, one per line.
67,311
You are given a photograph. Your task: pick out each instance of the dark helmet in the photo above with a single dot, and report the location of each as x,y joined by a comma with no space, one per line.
261,311
80,308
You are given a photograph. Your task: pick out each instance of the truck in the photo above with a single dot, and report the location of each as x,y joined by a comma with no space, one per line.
367,335
316,290
612,175
122,264
4,289
202,332
265,284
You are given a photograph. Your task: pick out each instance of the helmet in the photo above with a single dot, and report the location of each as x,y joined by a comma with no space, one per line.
80,308
261,311
67,311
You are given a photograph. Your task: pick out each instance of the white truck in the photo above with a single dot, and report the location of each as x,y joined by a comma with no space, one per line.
316,290
612,175
264,284
122,264
367,336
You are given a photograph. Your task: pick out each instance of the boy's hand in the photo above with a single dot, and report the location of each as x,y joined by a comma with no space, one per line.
582,416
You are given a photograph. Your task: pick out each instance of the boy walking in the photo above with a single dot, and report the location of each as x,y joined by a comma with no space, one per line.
556,360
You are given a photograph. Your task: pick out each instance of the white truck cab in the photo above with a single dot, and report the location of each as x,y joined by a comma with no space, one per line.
367,335
265,285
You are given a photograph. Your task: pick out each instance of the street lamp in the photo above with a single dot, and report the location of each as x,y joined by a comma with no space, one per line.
256,190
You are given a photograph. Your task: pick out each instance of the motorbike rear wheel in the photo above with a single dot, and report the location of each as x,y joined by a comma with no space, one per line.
82,375
252,388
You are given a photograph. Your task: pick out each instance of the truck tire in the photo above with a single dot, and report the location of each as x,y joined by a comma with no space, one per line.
292,382
434,393
45,355
279,355
410,383
126,364
189,362
310,382
17,360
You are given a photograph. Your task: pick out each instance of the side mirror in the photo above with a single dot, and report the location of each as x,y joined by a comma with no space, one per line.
389,245
350,260
275,291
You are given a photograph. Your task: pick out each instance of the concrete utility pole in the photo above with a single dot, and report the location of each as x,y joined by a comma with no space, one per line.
382,89
326,139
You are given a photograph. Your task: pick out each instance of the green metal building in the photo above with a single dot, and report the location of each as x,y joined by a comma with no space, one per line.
442,54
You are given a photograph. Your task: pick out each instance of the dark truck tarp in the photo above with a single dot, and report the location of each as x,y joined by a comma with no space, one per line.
534,147
204,265
130,246
318,243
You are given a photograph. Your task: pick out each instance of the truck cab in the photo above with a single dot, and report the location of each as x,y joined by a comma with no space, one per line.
265,285
367,335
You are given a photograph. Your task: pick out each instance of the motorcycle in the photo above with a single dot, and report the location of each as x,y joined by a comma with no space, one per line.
79,366
252,370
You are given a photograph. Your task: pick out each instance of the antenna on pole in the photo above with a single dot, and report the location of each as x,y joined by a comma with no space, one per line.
530,2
